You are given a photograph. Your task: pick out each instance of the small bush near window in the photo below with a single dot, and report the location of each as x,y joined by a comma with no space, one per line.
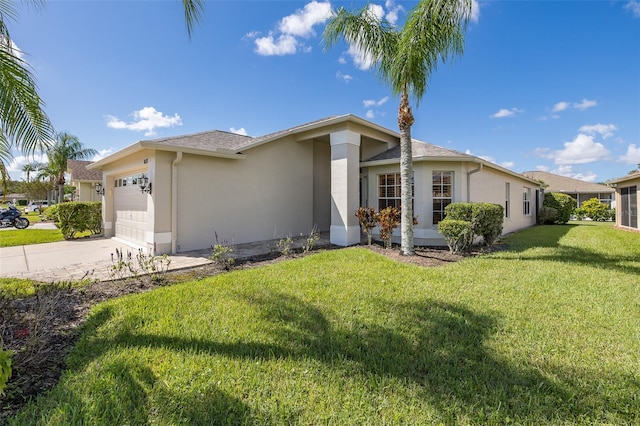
388,219
458,234
79,216
367,218
547,215
563,203
595,210
486,219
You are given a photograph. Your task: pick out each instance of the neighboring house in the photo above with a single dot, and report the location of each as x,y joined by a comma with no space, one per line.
627,195
579,190
221,186
84,180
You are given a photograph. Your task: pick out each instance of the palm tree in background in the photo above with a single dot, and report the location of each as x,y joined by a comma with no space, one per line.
67,147
404,59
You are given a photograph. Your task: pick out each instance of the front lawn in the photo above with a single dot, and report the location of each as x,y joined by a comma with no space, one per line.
23,237
545,332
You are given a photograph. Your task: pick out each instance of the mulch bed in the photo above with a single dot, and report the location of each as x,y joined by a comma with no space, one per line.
42,329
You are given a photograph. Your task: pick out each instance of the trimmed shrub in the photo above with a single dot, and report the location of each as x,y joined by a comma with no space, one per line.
51,213
486,219
595,210
79,216
457,233
547,215
563,203
5,368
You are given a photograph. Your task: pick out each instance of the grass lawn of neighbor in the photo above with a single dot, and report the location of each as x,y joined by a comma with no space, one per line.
546,331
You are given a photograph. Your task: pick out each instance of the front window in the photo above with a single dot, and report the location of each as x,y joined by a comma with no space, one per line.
389,191
507,199
442,192
526,201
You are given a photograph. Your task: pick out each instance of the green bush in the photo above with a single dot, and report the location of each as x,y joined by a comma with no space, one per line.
79,216
579,213
547,215
596,210
486,218
51,213
563,203
457,233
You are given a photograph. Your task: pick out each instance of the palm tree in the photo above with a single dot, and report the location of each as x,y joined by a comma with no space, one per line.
23,123
67,147
28,168
405,58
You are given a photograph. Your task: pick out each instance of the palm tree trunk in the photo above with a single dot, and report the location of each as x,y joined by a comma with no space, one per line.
405,121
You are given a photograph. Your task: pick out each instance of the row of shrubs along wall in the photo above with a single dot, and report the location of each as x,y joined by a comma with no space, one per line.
76,217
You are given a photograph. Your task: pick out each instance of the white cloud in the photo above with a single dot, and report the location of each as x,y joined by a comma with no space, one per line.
240,131
102,153
15,167
542,168
370,114
345,77
606,130
567,170
268,46
585,104
581,150
561,106
475,11
301,23
632,156
505,164
393,11
147,119
360,59
508,164
504,112
368,103
633,6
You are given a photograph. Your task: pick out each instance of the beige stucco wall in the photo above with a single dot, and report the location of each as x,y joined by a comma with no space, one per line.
268,195
485,185
85,191
619,186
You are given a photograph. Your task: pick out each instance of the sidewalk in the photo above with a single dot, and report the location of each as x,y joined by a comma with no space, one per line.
92,258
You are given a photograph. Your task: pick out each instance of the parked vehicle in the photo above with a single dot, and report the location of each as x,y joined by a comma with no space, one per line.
36,206
11,216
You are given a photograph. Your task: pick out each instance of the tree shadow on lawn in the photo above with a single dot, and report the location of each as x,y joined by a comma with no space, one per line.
439,347
629,263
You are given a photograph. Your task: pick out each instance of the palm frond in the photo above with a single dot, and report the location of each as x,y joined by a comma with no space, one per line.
193,10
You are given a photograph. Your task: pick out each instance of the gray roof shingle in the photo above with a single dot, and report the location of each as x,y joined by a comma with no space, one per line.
78,170
557,183
420,149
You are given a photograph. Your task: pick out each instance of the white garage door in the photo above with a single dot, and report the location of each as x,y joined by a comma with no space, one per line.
130,213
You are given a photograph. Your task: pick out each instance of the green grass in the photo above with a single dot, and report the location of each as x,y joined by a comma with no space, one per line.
546,332
17,287
21,237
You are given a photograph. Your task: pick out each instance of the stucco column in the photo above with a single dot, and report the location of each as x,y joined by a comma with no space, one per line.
345,187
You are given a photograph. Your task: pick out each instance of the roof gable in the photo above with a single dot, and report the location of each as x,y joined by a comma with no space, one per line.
78,170
421,149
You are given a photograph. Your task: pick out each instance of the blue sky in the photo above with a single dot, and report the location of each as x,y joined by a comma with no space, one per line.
542,85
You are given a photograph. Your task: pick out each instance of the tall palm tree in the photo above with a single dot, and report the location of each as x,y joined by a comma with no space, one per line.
404,59
28,168
67,147
23,123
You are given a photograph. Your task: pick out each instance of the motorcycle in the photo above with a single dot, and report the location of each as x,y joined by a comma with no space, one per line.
12,217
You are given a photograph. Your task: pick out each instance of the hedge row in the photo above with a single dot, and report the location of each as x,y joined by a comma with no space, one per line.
76,217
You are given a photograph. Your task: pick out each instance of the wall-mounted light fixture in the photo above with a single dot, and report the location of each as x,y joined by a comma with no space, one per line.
144,184
99,188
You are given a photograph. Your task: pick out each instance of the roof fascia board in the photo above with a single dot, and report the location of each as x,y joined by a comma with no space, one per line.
218,152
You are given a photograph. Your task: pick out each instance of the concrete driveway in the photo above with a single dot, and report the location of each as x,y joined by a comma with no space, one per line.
76,259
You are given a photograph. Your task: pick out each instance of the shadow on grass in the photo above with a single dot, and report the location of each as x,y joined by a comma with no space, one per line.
441,348
550,235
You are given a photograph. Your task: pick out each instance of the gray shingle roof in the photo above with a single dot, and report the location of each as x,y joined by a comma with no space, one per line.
557,183
78,170
420,149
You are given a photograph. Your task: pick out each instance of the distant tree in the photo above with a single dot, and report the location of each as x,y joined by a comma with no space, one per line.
636,170
405,59
36,189
67,147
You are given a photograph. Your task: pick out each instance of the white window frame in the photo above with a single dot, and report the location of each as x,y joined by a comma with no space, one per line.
526,201
437,189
